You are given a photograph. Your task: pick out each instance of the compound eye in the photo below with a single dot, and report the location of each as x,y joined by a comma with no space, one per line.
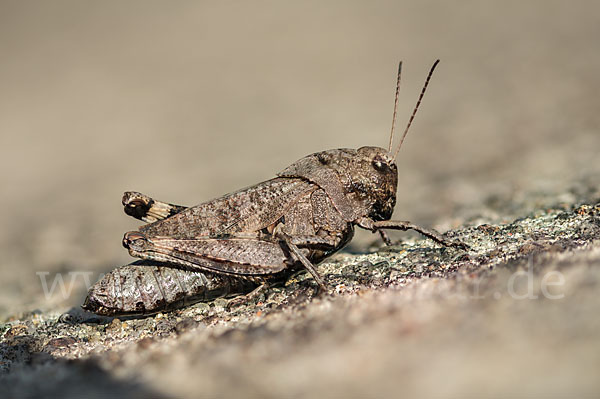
379,165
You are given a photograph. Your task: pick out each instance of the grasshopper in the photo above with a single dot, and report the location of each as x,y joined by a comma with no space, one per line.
264,231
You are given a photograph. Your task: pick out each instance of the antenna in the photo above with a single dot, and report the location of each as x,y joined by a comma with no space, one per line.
395,107
416,106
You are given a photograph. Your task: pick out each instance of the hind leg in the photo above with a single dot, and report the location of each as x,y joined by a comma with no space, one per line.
145,208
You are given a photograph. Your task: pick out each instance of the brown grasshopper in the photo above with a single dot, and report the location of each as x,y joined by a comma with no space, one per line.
305,214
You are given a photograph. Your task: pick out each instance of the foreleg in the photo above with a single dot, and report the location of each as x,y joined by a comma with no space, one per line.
404,225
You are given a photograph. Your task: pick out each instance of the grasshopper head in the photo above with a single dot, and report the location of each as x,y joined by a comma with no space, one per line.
374,180
359,182
375,173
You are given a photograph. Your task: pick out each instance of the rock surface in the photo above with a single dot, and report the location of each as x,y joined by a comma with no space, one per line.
516,314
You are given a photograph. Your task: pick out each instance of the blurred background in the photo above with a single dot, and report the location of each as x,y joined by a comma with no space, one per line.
186,101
